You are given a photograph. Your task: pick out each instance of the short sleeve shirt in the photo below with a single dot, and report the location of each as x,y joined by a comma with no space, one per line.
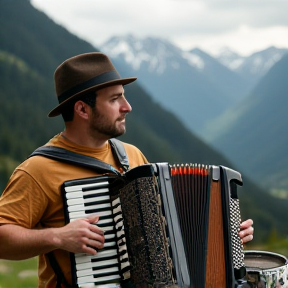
32,197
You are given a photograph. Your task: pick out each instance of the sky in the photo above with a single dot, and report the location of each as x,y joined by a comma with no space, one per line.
244,26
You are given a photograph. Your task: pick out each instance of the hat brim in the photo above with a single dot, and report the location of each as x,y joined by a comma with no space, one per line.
58,109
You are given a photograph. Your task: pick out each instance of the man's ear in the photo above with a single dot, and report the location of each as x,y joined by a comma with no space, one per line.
81,109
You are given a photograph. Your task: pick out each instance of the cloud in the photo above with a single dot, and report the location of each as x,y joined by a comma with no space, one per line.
198,22
256,13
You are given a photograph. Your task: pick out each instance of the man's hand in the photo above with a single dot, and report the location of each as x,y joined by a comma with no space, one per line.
79,236
246,231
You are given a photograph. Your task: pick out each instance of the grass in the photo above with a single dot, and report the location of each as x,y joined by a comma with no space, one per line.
23,274
280,246
19,274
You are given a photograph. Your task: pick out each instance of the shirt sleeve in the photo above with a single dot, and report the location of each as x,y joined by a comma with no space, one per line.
23,201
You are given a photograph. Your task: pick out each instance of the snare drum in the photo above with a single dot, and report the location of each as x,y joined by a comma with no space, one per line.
266,269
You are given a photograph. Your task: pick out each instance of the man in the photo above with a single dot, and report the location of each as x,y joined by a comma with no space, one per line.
92,102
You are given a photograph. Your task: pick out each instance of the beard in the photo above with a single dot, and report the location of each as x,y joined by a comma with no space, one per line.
102,124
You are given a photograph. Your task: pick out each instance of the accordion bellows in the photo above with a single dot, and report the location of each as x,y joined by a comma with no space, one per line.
171,225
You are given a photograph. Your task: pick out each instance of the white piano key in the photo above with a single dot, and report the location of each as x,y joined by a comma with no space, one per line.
90,279
84,266
82,257
108,285
82,207
83,214
108,252
86,281
80,194
123,248
99,206
124,265
96,191
109,236
120,225
117,210
105,262
91,264
80,187
118,217
106,221
116,201
74,195
109,244
77,201
109,229
79,207
89,271
85,272
112,270
120,233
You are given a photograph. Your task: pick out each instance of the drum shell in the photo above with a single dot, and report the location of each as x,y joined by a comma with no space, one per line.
270,269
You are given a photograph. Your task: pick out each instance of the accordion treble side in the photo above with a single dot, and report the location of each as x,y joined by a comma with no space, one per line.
208,212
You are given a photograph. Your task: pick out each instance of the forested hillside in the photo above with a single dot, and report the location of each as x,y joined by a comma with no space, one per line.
31,46
254,134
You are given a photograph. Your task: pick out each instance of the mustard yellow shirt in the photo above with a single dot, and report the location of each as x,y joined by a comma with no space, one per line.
32,197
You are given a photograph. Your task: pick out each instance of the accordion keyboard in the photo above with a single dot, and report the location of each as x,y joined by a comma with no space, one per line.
82,201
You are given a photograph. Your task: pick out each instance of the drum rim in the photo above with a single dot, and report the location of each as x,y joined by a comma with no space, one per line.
259,252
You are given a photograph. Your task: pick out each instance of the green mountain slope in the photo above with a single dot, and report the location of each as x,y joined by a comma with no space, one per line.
25,29
256,136
27,94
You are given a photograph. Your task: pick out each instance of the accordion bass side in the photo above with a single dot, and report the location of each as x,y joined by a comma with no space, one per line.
164,226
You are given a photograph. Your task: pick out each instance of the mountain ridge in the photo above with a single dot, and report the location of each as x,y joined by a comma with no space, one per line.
177,79
173,81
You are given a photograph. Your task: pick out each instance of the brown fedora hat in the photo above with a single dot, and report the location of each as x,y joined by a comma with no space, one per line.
83,73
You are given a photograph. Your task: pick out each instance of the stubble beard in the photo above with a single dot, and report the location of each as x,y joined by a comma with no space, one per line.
103,125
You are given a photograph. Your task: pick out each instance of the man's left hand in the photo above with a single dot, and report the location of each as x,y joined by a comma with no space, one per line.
246,231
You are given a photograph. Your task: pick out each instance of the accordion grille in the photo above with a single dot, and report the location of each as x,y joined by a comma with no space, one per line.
146,234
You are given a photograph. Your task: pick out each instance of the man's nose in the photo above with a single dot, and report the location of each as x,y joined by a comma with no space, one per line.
126,106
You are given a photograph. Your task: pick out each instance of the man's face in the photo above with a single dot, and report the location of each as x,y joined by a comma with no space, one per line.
108,117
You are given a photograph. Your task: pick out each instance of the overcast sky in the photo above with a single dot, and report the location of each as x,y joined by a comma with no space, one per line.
245,26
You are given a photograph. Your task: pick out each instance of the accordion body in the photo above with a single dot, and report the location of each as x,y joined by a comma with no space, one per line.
164,226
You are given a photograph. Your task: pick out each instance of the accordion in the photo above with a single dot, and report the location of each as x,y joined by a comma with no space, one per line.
164,226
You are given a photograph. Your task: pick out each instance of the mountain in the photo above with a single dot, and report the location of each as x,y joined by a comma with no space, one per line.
176,79
29,54
192,84
254,134
27,94
251,67
47,53
233,84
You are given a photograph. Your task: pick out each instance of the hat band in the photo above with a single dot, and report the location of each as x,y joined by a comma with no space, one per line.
103,78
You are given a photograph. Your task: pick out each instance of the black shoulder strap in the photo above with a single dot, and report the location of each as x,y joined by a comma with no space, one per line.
59,274
120,153
67,156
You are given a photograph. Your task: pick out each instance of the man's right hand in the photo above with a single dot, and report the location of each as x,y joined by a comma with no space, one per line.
79,236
